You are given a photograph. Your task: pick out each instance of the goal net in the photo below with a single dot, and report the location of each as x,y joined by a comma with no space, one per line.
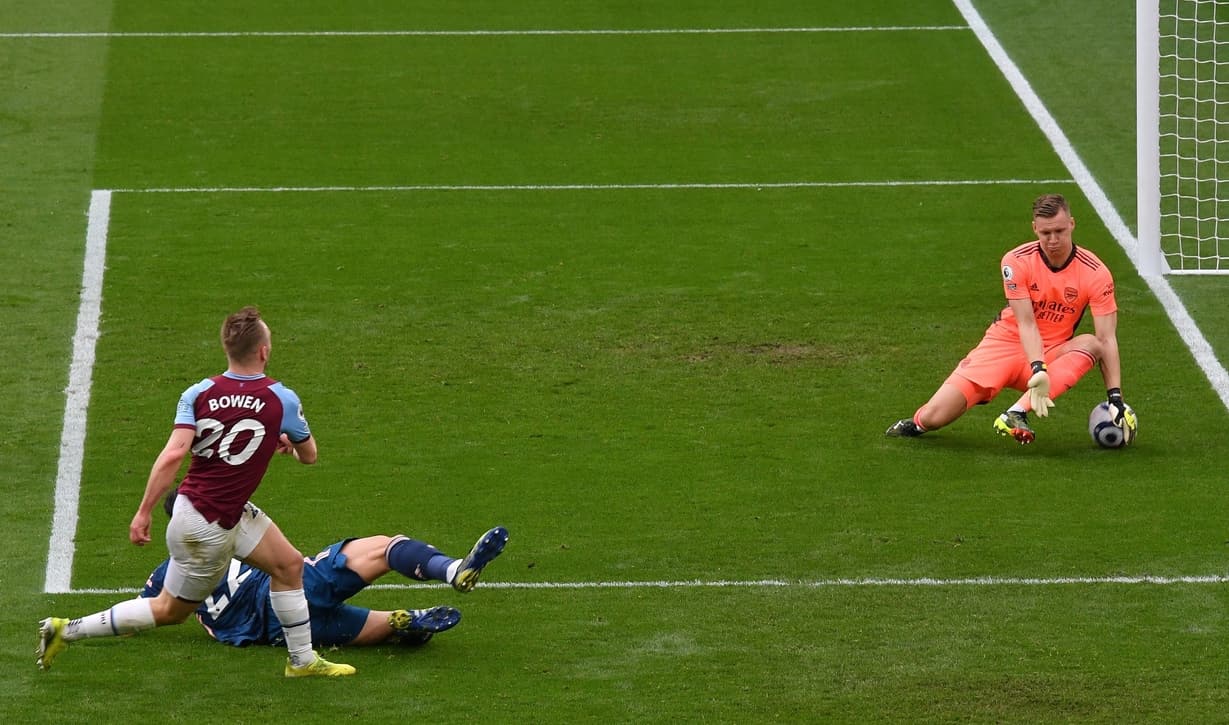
1182,75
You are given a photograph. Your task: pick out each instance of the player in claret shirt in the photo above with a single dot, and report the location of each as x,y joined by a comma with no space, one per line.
230,425
1031,346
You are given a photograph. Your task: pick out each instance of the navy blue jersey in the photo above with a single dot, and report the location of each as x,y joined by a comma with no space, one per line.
238,611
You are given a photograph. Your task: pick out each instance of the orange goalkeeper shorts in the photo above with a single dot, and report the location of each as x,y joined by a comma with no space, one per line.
989,368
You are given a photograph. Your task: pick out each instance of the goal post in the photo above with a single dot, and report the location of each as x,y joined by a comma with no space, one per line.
1182,132
1151,261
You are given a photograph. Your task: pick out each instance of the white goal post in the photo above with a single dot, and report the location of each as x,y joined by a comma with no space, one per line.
1182,136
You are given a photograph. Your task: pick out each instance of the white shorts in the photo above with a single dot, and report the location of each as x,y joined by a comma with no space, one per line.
201,550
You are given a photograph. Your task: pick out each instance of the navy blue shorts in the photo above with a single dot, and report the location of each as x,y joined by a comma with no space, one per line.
328,584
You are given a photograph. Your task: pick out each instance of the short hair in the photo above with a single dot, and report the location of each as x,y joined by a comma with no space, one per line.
1047,206
243,333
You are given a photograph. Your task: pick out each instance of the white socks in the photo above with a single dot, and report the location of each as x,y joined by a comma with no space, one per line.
136,615
291,610
130,617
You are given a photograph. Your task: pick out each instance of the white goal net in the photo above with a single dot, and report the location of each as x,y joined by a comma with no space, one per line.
1183,118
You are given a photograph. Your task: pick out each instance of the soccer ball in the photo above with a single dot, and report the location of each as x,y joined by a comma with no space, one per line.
1105,431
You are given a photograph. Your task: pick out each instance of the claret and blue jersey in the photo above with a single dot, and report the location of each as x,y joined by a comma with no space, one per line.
237,420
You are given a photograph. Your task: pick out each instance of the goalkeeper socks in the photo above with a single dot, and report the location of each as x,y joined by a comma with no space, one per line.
130,617
417,560
1067,370
291,609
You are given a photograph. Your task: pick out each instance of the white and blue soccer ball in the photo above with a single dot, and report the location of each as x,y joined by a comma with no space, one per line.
1106,432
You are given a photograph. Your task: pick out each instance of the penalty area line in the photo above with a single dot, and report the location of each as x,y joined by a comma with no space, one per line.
77,399
922,582
589,187
478,33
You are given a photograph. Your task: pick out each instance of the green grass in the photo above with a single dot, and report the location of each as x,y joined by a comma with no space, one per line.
643,385
48,122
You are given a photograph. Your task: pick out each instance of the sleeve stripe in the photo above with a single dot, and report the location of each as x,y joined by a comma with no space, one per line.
1027,250
1087,259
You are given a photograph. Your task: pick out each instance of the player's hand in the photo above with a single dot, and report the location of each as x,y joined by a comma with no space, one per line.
1039,390
138,530
284,446
1124,417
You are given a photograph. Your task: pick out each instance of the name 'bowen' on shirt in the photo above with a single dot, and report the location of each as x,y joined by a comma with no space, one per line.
236,401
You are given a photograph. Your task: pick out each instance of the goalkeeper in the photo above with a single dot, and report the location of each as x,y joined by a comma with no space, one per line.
1031,346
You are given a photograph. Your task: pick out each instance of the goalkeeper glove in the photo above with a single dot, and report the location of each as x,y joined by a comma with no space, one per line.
1124,417
1039,389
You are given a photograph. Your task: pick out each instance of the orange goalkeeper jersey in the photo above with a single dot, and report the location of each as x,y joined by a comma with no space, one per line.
1059,296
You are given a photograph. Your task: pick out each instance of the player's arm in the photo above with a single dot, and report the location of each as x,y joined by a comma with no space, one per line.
296,436
1034,352
304,451
1030,334
161,478
1105,327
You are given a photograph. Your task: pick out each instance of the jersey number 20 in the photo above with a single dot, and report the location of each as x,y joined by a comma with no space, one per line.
211,431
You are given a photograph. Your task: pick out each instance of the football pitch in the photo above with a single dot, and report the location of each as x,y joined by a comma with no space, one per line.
644,283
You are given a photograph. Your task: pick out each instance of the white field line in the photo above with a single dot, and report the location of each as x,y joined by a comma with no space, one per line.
77,401
585,187
1178,314
924,582
483,33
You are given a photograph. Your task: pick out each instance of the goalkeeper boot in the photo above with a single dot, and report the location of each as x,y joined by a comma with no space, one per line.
486,549
415,626
1015,424
319,667
904,428
50,641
